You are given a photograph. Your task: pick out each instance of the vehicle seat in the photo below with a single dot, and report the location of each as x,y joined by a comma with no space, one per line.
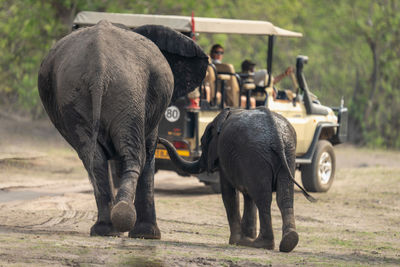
261,91
261,78
210,80
231,88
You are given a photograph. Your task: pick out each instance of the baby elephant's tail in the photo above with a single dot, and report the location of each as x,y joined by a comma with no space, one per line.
307,195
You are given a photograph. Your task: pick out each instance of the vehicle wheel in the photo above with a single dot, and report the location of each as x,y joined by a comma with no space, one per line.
318,176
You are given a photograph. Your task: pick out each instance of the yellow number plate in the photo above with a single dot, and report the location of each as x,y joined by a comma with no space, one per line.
163,154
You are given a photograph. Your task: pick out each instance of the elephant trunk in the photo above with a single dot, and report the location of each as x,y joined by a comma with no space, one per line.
194,167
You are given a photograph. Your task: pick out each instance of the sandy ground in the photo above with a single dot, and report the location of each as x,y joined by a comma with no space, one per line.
47,208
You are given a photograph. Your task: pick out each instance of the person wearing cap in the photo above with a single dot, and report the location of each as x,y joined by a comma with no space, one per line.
261,76
248,66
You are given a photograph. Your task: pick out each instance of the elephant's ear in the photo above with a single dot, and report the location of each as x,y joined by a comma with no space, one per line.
209,148
219,121
187,60
209,140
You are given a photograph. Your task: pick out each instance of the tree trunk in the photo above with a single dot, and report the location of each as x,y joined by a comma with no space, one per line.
373,78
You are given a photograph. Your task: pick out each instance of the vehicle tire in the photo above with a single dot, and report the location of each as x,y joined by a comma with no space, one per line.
318,176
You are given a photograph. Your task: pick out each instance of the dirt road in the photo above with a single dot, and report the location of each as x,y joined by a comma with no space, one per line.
47,208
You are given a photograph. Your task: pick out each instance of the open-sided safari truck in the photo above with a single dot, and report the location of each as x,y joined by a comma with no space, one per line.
318,127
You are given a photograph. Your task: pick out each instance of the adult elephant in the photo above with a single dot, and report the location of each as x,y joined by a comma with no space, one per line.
254,152
105,88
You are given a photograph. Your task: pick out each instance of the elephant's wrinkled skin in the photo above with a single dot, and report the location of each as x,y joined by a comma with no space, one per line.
105,88
254,152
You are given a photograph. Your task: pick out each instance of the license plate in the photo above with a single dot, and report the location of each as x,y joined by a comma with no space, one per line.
163,154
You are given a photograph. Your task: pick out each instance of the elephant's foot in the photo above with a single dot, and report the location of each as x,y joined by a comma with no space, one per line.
123,216
289,241
248,228
250,233
234,239
146,231
103,229
263,243
246,241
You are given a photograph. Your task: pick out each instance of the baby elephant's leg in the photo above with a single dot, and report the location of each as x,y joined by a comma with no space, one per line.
230,198
265,238
259,190
284,197
249,221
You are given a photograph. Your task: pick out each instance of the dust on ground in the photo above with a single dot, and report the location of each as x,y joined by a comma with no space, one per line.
47,208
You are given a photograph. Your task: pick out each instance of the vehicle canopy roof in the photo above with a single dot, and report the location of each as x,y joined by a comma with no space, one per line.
184,23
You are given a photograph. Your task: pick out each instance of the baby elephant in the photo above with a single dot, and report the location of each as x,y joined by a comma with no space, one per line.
254,152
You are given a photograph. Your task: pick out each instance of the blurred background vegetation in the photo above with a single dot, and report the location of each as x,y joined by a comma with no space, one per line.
353,49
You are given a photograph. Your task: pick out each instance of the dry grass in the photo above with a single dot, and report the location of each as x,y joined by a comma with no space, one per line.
48,207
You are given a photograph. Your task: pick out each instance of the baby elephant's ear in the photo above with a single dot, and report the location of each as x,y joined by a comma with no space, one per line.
187,60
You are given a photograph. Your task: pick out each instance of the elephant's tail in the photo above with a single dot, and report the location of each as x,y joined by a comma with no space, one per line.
280,147
96,97
307,195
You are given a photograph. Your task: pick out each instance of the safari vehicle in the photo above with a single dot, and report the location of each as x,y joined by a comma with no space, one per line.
318,127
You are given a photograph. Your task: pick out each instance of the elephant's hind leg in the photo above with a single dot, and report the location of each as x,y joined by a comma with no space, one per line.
249,221
284,197
146,224
127,138
259,189
265,237
123,214
102,193
230,197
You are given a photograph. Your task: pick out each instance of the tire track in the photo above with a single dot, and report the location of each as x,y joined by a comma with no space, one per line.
67,217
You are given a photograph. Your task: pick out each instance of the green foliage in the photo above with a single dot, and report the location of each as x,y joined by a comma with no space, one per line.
22,45
353,48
